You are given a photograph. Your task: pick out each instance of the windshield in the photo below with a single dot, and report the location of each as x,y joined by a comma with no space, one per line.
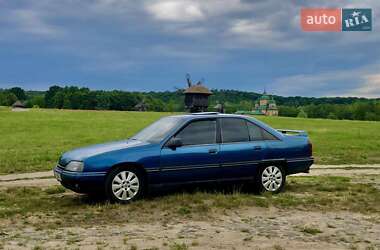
157,131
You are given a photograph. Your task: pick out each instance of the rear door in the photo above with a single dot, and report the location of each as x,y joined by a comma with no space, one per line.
241,148
197,160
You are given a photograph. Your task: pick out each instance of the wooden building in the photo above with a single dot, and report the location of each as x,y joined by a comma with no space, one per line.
19,106
196,97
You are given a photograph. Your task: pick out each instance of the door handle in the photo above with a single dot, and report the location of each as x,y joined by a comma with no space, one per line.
212,151
257,148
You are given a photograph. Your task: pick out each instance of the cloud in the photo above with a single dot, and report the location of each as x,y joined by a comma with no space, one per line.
180,54
193,11
108,61
179,11
370,87
31,22
308,84
361,82
247,33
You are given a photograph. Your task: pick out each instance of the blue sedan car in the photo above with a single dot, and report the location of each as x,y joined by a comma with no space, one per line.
192,148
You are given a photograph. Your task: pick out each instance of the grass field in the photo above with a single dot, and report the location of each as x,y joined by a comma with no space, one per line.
32,141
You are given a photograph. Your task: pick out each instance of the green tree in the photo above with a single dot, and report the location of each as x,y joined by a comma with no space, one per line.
302,114
288,111
19,93
7,98
331,116
50,100
371,116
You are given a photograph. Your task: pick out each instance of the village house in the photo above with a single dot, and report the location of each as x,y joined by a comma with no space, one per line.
19,106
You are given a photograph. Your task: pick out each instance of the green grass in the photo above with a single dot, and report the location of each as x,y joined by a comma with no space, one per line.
4,108
310,230
178,246
55,208
32,141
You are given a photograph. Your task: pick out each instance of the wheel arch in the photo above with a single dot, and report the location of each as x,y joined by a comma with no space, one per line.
281,162
129,165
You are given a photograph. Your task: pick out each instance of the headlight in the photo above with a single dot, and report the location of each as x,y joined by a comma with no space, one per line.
75,166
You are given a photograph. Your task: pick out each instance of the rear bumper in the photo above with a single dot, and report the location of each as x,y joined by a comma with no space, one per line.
81,182
299,165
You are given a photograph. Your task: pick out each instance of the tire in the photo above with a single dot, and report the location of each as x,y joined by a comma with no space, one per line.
124,185
270,178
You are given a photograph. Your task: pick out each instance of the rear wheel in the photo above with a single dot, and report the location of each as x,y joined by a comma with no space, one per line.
270,179
124,185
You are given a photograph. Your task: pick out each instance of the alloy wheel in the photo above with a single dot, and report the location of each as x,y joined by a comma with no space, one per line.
125,185
271,178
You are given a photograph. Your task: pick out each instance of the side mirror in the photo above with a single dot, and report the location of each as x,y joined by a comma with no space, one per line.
174,143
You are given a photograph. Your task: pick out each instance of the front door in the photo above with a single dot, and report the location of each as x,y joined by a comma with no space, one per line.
197,160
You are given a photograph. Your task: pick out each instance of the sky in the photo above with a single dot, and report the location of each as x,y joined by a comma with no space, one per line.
151,45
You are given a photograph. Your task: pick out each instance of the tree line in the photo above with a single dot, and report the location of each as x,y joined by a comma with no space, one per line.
71,97
358,110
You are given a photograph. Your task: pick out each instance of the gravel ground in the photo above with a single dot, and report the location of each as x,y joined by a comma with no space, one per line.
250,228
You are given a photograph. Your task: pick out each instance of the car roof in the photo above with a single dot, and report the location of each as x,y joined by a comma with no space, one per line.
191,116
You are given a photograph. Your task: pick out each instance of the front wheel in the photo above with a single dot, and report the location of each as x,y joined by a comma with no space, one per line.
270,179
124,185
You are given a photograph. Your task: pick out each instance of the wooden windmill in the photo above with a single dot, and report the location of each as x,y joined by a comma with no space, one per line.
196,96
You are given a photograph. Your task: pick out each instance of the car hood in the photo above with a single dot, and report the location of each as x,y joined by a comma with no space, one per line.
80,154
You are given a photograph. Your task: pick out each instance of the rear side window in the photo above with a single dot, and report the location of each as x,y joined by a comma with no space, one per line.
258,134
198,132
234,130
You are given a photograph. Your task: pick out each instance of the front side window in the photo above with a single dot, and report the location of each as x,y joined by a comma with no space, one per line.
268,136
234,130
198,132
258,134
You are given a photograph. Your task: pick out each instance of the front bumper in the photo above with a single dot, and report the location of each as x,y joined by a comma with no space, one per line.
81,182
